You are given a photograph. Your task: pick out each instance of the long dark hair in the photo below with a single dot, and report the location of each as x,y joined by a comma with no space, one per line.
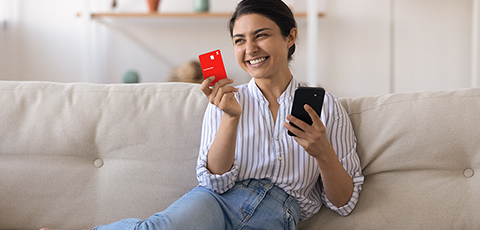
275,10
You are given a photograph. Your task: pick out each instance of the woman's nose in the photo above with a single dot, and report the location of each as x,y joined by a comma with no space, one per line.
252,48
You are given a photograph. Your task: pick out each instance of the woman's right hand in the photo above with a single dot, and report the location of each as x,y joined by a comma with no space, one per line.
222,95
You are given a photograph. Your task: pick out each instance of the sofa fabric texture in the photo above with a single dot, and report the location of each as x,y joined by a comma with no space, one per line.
78,155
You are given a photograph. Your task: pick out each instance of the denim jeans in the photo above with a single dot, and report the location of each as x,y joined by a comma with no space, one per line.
250,204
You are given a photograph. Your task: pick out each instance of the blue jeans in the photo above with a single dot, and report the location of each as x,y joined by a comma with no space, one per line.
250,204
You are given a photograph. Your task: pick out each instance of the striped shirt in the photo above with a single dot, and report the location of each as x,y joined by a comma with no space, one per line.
265,150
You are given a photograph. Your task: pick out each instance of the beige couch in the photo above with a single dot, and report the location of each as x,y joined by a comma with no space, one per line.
78,155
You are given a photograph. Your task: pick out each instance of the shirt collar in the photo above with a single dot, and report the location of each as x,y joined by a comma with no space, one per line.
286,95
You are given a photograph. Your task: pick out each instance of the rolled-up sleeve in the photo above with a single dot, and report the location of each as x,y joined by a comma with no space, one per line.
348,208
214,182
344,142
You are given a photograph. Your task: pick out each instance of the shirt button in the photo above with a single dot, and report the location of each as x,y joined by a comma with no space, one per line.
279,158
276,138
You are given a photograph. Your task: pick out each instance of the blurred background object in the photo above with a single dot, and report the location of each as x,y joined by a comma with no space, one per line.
153,5
187,72
201,5
131,77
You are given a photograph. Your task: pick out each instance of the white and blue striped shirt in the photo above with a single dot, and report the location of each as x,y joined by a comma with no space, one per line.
265,150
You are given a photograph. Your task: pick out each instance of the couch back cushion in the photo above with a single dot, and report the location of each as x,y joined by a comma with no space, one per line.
420,154
77,155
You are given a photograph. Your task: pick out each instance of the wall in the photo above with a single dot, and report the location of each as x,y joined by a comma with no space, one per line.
3,55
365,47
356,47
44,45
376,47
432,44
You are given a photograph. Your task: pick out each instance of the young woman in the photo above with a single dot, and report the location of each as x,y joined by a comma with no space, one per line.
245,128
252,174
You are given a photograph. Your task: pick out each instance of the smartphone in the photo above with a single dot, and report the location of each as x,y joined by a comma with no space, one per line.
312,96
212,65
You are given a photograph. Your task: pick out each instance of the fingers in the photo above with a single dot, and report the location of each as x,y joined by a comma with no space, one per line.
303,126
205,85
296,131
312,113
219,89
216,93
222,93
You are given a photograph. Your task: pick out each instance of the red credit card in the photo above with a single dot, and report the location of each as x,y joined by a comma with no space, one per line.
212,65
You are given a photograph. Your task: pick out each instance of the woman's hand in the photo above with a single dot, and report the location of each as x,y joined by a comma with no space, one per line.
338,184
313,138
222,96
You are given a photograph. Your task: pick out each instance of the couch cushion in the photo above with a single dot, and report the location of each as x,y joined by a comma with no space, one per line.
77,155
420,154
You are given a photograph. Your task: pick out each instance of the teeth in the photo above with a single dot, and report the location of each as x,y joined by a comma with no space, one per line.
256,61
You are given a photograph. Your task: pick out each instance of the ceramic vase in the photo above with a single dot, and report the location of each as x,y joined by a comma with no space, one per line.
200,5
153,5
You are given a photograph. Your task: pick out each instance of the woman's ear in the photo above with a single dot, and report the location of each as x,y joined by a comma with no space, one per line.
292,37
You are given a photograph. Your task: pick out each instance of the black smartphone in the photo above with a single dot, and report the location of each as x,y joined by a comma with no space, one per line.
312,96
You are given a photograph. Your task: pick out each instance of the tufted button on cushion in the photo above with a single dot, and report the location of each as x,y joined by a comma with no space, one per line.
98,163
468,172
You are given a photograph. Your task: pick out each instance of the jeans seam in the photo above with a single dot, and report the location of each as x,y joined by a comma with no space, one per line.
288,213
259,194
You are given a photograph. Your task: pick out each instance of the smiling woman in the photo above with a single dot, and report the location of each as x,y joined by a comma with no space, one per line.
282,17
250,172
261,48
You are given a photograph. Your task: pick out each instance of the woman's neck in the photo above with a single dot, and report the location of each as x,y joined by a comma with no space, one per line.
272,88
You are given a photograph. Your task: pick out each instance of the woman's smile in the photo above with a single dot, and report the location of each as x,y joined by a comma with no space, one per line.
257,62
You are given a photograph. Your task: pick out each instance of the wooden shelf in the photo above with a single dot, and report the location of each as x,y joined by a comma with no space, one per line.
176,15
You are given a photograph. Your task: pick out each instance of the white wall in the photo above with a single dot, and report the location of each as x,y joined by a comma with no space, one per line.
432,44
6,55
356,47
365,47
475,48
44,40
3,53
377,47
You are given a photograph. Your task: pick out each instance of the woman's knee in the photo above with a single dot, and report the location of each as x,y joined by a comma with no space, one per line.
198,209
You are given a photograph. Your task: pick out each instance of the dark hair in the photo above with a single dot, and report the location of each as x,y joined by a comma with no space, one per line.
275,10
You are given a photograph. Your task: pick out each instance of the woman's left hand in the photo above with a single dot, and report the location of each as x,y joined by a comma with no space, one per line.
313,138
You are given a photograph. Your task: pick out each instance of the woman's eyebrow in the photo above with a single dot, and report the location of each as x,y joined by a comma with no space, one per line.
260,30
238,35
253,33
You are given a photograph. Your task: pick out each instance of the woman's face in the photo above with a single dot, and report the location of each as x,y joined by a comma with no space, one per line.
260,48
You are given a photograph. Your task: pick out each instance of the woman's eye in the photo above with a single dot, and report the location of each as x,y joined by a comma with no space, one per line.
237,41
261,35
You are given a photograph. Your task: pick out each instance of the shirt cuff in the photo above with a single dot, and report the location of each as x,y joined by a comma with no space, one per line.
215,182
348,208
